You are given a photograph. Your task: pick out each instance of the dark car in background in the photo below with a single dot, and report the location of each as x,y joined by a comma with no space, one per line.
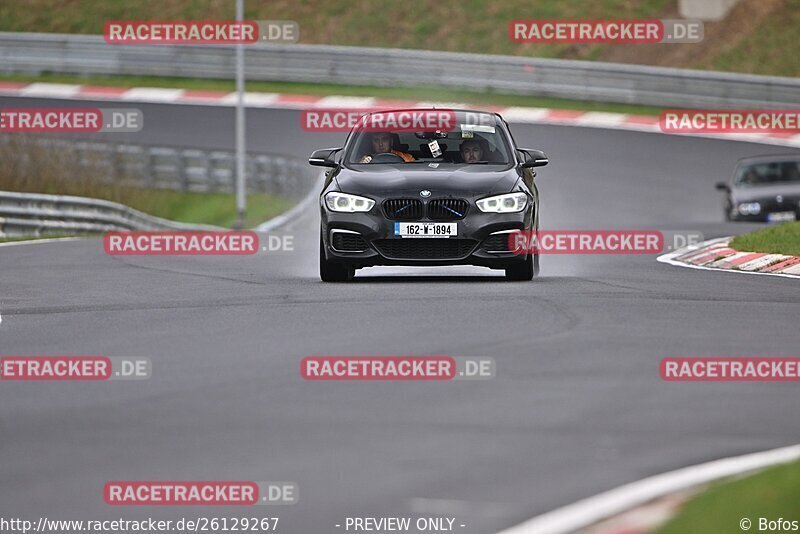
763,188
424,198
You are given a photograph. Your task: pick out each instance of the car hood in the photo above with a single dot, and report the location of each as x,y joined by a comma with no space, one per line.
466,181
766,192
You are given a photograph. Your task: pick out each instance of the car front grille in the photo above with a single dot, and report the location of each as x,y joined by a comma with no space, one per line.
411,209
425,248
447,209
347,242
403,209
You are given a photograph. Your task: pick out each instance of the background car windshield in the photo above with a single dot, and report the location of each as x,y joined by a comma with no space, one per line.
779,172
476,138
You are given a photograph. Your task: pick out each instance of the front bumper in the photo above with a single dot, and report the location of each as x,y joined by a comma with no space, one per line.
376,231
769,208
764,216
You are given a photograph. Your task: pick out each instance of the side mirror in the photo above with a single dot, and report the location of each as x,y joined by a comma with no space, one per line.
322,157
533,158
722,186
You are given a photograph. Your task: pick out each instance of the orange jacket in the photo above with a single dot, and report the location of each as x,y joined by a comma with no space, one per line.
406,157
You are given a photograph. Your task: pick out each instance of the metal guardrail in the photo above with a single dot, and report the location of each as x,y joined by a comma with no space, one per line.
34,214
160,167
125,164
583,80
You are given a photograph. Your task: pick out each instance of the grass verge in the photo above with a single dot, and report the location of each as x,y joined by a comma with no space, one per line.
218,209
322,89
770,494
781,239
34,238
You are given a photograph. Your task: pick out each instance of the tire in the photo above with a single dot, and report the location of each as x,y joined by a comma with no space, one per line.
333,271
523,270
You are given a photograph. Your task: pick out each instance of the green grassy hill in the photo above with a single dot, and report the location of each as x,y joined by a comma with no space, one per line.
757,36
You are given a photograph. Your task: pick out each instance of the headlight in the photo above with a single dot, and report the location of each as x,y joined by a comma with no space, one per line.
510,203
750,208
347,203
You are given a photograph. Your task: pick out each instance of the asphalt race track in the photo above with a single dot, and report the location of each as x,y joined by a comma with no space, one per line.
577,406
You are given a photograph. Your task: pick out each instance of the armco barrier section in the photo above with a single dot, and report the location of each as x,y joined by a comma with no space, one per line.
584,80
160,167
33,214
156,167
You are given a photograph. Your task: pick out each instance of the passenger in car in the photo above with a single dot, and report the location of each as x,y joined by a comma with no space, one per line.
382,144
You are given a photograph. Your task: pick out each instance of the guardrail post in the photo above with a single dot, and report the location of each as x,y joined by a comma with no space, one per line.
182,175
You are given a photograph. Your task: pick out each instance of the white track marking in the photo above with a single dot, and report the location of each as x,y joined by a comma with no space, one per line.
254,100
54,90
794,270
152,94
37,241
601,119
589,511
670,259
517,114
304,205
589,119
763,261
345,102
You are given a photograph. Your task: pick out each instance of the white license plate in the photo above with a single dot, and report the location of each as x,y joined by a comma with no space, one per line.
781,216
420,229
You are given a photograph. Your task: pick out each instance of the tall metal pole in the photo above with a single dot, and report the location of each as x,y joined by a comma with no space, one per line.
241,188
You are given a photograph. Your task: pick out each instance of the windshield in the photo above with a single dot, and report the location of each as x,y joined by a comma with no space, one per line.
467,138
769,173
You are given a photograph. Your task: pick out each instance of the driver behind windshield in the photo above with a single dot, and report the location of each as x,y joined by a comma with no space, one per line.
471,151
382,144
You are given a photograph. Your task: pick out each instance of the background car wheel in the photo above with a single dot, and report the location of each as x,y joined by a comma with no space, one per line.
333,271
524,270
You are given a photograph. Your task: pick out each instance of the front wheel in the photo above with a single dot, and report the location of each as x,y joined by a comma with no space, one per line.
523,270
333,271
